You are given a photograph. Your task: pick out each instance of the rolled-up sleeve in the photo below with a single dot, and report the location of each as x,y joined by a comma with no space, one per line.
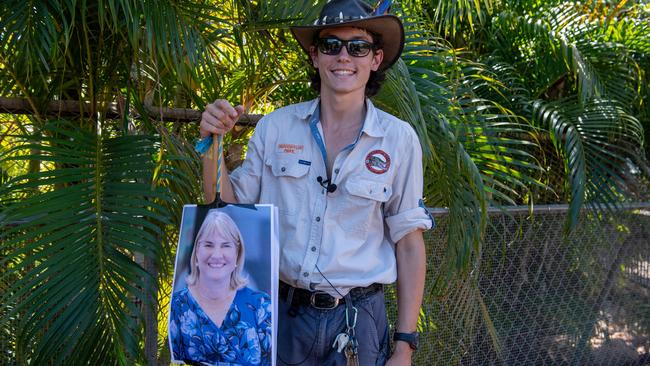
404,211
246,179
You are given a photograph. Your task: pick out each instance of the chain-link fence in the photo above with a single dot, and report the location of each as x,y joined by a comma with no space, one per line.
538,297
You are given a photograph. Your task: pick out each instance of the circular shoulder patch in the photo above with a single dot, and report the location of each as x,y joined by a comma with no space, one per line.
378,162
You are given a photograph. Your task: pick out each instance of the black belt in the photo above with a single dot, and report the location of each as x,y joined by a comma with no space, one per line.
322,300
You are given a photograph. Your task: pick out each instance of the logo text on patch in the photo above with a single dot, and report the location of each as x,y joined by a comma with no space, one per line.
290,148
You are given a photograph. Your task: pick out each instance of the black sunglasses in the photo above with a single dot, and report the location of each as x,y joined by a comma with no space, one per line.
356,47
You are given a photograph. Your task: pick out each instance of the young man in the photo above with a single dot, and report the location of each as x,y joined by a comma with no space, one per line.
347,179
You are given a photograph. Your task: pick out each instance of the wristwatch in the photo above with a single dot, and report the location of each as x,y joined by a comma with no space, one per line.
411,338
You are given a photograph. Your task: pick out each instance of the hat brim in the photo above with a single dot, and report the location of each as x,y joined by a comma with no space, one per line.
388,26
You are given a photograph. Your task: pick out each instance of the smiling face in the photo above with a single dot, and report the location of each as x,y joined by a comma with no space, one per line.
216,255
218,251
343,74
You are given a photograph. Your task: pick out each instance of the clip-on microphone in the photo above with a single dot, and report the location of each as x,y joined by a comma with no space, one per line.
329,187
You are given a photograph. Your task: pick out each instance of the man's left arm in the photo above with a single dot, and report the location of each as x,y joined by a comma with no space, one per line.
411,271
406,218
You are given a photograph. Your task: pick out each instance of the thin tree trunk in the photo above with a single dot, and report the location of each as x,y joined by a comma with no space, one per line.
150,313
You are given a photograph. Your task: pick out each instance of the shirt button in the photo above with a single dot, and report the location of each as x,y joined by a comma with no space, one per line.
317,218
283,169
305,274
336,170
313,249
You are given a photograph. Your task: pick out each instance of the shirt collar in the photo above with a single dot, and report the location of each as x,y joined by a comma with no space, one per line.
306,110
371,125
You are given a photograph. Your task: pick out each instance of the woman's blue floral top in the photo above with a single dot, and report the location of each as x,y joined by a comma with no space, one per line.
244,338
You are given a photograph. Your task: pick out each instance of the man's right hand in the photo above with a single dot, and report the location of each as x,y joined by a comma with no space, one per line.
219,117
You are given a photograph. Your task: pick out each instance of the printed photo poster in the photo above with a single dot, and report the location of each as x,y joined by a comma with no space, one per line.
223,309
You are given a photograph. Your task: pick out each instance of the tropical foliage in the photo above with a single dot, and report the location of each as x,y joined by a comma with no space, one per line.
514,103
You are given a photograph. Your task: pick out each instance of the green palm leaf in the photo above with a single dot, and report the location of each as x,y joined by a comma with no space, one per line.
598,141
451,16
72,254
30,33
465,138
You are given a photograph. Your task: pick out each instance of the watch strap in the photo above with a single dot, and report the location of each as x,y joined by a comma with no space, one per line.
410,338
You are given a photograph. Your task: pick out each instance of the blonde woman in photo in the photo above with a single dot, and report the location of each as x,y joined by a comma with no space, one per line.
216,319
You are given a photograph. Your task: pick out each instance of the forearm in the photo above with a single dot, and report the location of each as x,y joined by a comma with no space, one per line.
411,271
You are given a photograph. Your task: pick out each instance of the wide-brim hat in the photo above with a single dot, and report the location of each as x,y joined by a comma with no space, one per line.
357,13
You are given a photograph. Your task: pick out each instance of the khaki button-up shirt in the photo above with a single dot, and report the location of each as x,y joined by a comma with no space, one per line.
347,237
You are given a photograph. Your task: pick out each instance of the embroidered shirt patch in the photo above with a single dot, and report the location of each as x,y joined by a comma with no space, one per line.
290,148
378,162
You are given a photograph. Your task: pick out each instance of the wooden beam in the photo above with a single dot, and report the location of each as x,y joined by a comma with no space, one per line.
72,108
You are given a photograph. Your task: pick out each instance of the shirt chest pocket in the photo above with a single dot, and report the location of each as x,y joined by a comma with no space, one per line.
288,168
368,189
361,206
287,185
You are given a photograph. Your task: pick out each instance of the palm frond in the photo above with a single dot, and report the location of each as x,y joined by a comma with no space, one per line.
598,142
31,33
259,62
103,212
564,39
501,142
450,16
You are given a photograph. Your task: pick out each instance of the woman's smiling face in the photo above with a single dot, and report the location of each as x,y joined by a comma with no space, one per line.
216,256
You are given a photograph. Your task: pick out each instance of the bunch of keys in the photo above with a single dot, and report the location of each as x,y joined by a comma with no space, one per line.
351,352
347,342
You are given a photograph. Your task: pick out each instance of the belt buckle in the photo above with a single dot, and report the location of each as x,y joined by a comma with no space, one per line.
313,303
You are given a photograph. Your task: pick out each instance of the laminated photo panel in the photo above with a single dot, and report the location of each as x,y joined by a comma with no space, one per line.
258,227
